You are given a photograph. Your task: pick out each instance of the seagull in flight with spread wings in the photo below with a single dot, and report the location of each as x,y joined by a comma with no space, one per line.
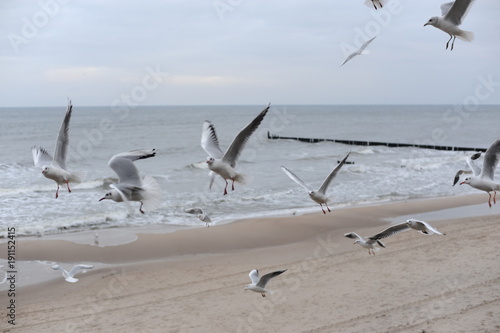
222,163
69,276
259,284
360,51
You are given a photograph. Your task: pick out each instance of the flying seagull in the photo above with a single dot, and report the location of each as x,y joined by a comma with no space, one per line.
259,285
375,3
360,51
200,214
453,14
369,242
55,167
319,195
69,276
221,163
484,181
131,186
474,169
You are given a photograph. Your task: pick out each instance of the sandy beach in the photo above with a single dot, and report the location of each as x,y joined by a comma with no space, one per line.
193,280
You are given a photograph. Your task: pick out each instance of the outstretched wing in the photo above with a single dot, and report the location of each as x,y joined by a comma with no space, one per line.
332,175
491,158
62,143
234,151
254,276
209,140
77,268
392,230
265,278
41,157
295,178
365,44
124,166
353,235
457,11
195,211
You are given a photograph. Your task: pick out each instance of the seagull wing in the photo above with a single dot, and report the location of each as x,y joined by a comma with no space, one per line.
353,235
124,166
392,230
195,211
470,161
427,226
41,157
234,151
458,174
62,143
332,175
457,11
295,178
365,44
77,268
254,276
349,57
209,140
265,278
491,158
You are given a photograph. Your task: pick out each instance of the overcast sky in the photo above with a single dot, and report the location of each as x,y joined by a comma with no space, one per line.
199,52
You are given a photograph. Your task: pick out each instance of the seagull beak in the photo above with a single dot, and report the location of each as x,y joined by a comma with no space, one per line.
102,199
462,183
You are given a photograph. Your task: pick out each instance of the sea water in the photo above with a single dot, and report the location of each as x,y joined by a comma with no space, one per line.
374,173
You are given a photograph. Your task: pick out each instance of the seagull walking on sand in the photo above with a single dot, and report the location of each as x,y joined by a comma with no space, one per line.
474,169
55,167
375,3
131,186
318,196
369,242
69,276
484,181
259,285
453,14
221,163
200,214
360,51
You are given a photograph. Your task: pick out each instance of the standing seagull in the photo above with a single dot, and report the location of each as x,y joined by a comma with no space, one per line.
484,181
224,163
453,14
200,214
55,167
374,3
131,187
474,169
318,196
360,51
69,276
259,285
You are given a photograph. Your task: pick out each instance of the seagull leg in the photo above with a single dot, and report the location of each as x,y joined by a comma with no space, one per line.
57,191
67,184
495,197
263,295
322,208
328,207
448,42
140,208
232,185
225,188
489,199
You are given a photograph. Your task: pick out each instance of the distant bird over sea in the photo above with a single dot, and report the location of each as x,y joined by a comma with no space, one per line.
69,276
221,163
55,167
484,181
131,187
319,195
200,214
360,51
259,285
453,14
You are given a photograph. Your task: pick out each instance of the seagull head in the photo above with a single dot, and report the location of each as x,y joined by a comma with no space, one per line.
210,160
45,169
248,286
432,21
311,193
466,181
112,195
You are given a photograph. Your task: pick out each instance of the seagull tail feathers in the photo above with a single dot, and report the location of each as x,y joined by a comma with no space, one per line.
77,176
242,179
467,36
152,195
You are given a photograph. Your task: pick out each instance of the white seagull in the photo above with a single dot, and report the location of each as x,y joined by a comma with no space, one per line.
131,186
318,196
259,285
69,276
484,181
200,214
55,167
474,169
453,14
221,163
360,51
369,242
375,3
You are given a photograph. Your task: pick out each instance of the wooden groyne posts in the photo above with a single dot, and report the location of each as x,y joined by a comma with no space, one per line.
375,143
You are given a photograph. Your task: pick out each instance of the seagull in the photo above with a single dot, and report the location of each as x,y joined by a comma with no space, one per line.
259,285
200,213
318,196
69,276
374,3
453,14
474,169
369,243
131,187
55,167
484,181
360,51
221,163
